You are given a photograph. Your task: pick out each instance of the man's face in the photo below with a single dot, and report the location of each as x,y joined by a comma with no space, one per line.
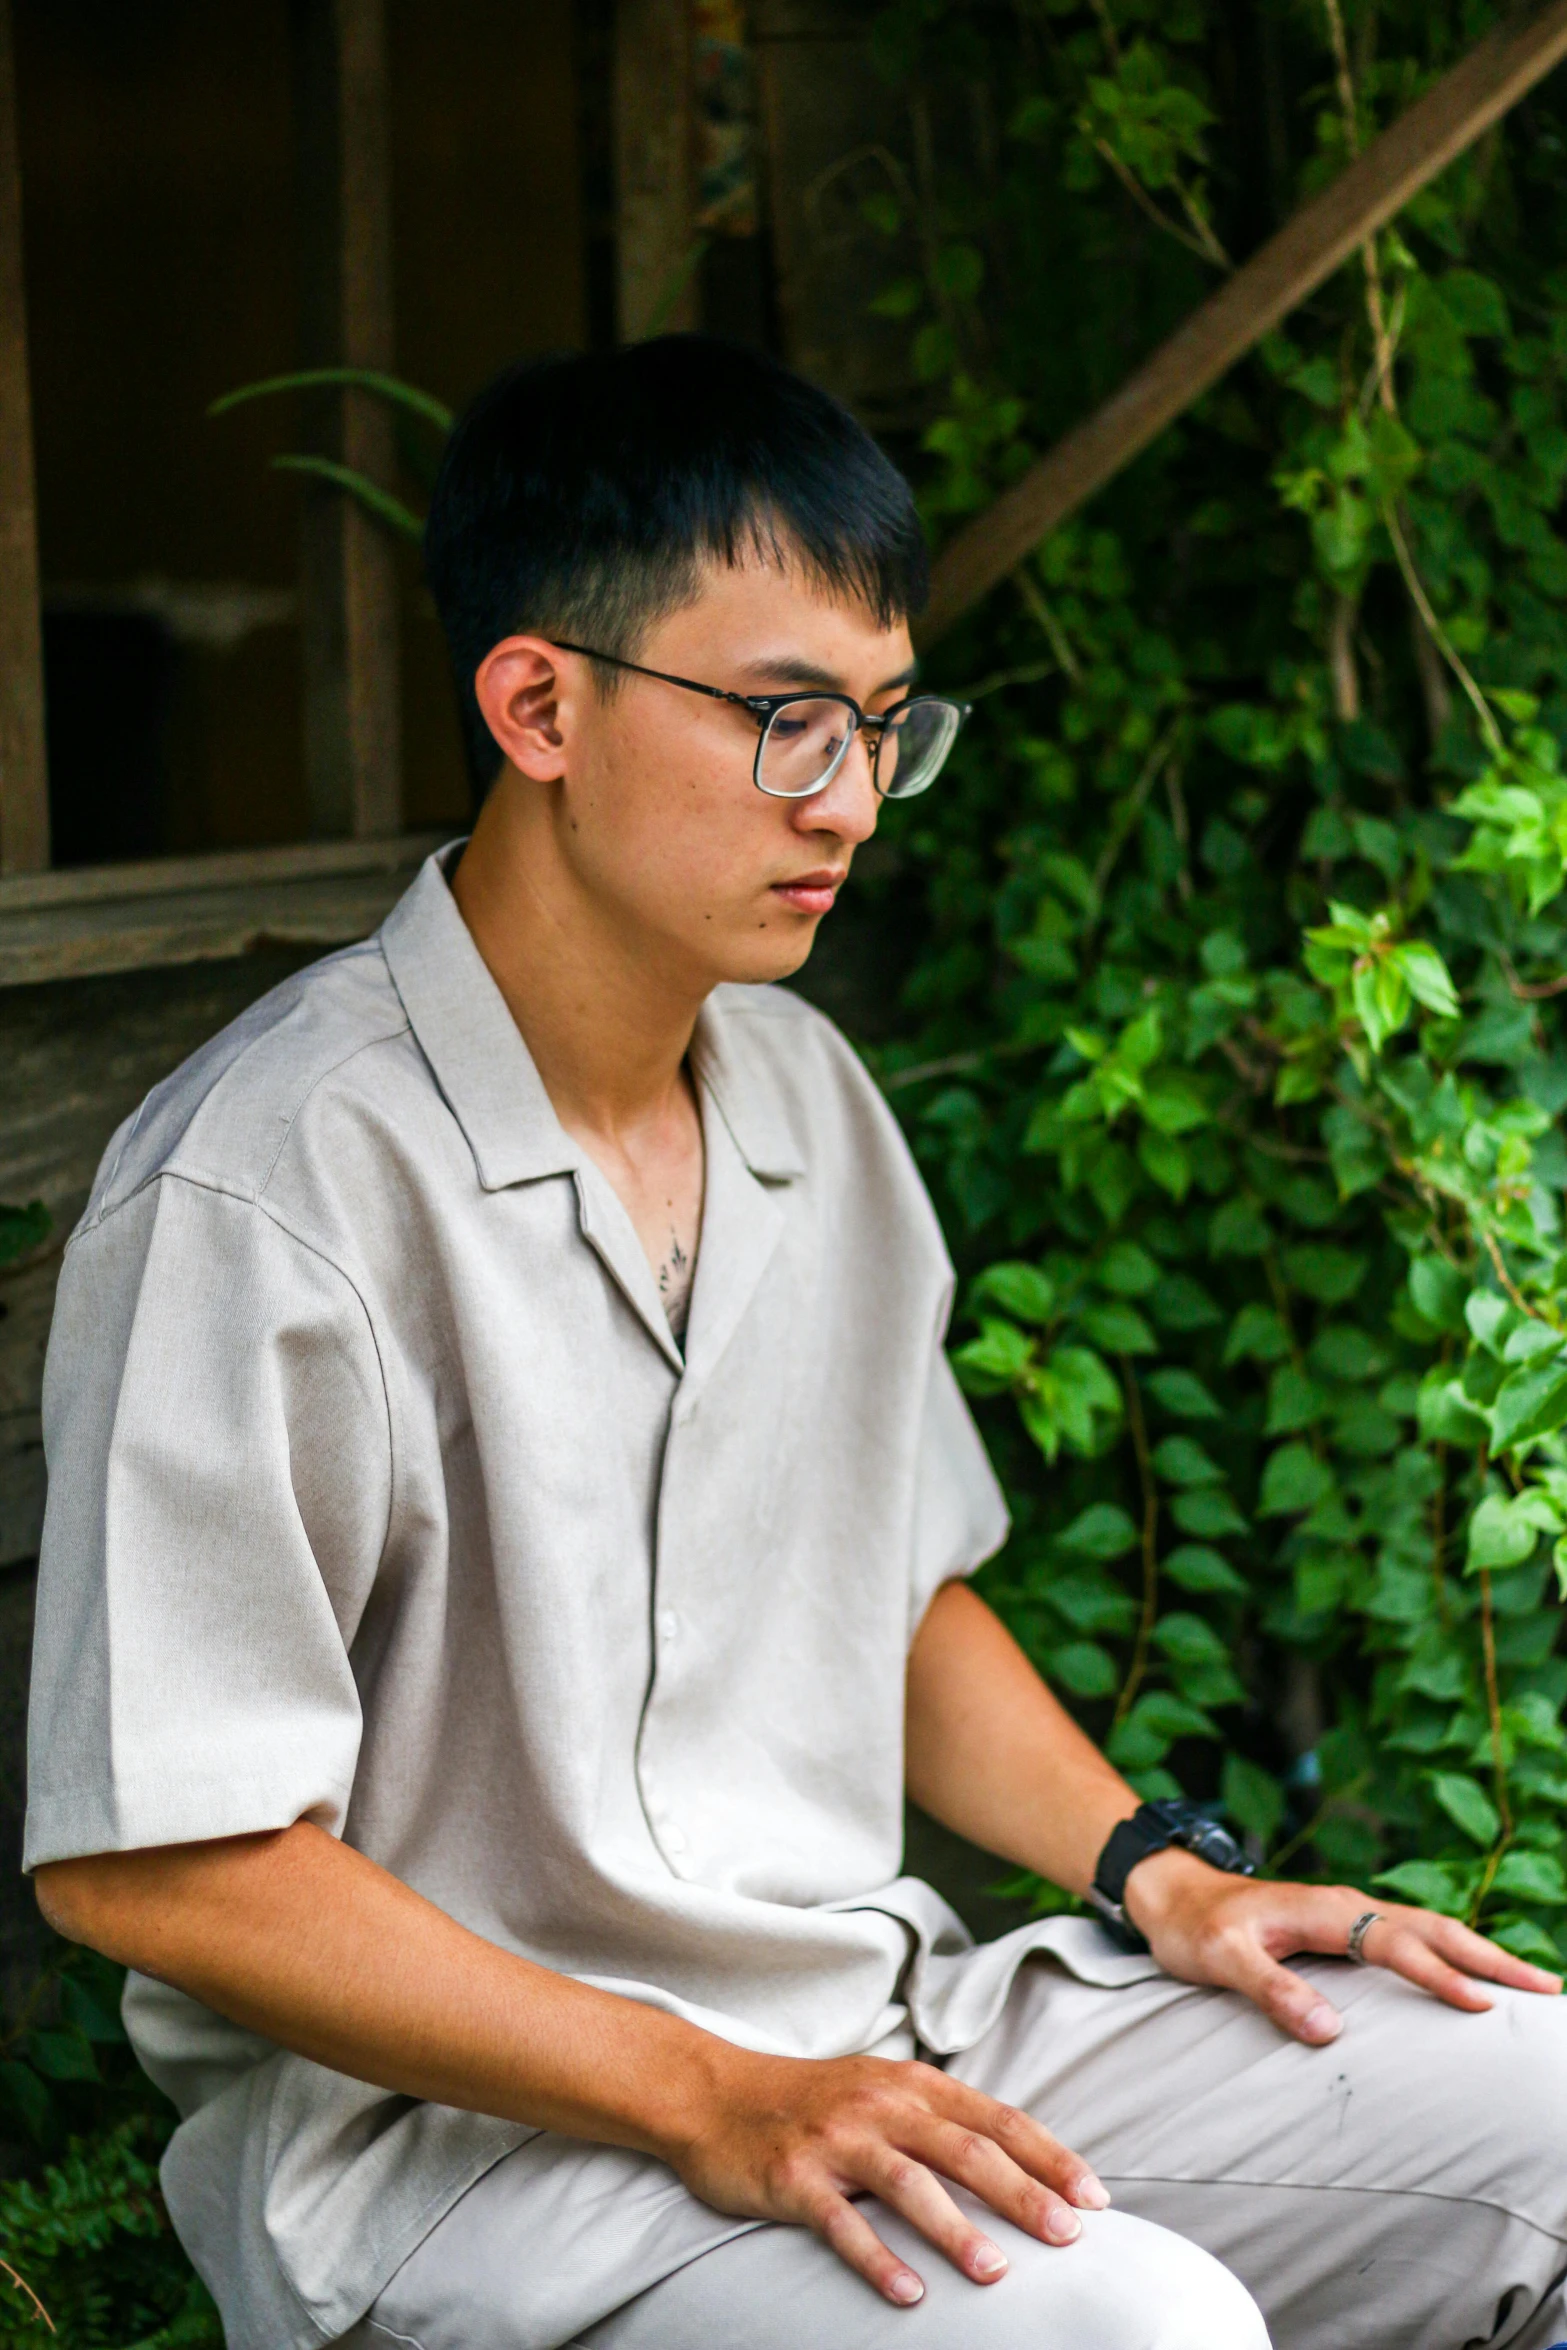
654,811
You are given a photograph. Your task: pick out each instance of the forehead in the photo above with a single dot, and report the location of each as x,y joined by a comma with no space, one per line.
777,605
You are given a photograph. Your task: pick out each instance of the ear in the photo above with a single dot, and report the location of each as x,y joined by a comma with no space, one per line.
526,705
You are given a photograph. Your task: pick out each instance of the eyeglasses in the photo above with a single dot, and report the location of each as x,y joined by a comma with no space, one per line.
805,738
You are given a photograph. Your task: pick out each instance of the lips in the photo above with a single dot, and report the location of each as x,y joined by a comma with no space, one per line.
812,893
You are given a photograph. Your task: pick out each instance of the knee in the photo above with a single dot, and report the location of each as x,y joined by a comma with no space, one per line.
1160,2291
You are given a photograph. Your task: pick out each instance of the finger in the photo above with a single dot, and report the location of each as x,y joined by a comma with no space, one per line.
978,2163
1402,1951
906,2186
1478,1955
1296,2006
1031,2146
847,2232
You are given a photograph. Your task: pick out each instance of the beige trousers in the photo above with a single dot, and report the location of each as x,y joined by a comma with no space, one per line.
1404,2189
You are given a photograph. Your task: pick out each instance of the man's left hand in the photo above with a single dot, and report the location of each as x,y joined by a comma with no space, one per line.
1206,1927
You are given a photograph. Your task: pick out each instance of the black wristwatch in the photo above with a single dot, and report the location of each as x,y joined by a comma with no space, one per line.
1153,1827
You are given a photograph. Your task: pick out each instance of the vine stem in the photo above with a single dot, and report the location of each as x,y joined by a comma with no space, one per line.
1150,1546
1507,1281
1439,636
1493,1707
22,2286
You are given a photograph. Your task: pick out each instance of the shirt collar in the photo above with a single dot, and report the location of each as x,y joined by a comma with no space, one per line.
486,1072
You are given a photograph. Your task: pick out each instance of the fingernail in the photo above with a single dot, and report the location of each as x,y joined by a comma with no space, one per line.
989,2260
1062,2226
906,2287
1091,2193
1320,2023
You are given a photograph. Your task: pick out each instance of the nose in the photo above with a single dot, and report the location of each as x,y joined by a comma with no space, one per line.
849,806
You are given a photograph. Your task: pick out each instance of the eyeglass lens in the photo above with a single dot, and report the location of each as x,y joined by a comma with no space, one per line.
806,741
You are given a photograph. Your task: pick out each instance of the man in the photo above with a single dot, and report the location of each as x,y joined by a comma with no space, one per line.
480,1657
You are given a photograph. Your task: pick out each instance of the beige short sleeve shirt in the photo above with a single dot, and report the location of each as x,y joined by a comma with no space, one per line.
381,1495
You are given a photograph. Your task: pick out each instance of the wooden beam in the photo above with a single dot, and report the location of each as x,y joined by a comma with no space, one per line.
348,600
24,774
1322,235
655,196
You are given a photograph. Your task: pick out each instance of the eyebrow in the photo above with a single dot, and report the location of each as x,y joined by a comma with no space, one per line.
811,673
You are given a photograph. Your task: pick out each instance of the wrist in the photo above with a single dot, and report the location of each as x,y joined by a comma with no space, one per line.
1165,1883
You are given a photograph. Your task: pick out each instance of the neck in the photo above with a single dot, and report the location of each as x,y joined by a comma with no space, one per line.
606,1015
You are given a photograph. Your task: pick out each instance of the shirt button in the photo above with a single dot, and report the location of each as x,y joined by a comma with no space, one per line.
674,1840
668,1624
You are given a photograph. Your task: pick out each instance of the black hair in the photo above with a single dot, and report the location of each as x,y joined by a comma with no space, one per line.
580,496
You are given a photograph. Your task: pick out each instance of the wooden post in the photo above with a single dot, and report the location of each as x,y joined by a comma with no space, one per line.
348,598
655,204
24,775
1454,112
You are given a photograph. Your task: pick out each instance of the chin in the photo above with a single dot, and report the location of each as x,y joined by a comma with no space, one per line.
776,953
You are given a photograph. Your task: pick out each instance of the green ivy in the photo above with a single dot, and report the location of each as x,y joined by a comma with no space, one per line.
1234,1052
88,2260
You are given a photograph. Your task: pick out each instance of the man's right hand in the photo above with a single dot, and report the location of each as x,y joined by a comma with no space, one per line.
303,1940
783,2138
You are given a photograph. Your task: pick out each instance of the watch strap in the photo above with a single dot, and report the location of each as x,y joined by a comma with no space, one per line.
1152,1828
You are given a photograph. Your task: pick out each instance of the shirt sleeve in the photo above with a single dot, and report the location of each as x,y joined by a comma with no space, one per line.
216,1430
960,1517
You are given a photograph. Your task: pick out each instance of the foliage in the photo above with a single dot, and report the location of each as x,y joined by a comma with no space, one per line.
22,1230
1234,1050
87,2258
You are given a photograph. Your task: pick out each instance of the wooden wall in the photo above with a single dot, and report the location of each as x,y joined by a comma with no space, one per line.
161,251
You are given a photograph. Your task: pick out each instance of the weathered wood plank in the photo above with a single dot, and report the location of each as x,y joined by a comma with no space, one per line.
24,775
1307,250
199,909
349,610
655,196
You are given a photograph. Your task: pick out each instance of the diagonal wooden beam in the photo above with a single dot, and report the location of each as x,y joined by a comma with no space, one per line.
1454,112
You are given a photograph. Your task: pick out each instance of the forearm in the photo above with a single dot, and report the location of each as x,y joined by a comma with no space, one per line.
304,1940
992,1754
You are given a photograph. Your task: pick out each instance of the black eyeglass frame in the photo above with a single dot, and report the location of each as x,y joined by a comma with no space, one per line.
764,708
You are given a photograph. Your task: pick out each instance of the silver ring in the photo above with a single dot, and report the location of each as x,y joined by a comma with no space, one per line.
1355,1947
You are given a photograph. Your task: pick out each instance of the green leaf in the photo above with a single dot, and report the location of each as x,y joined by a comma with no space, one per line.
1527,1940
1100,1532
1127,1269
1257,1334
1182,1394
1166,1161
1532,1876
1504,1529
24,2096
379,504
1293,1480
1207,1512
998,1356
1438,1290
1467,1805
1189,1640
1252,1797
1083,1667
1119,1328
1428,979
365,379
1179,1303
1529,1405
1237,1230
23,1229
1323,1272
1181,1462
1294,1401
1195,1567
1022,1291
62,2056
1428,1884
